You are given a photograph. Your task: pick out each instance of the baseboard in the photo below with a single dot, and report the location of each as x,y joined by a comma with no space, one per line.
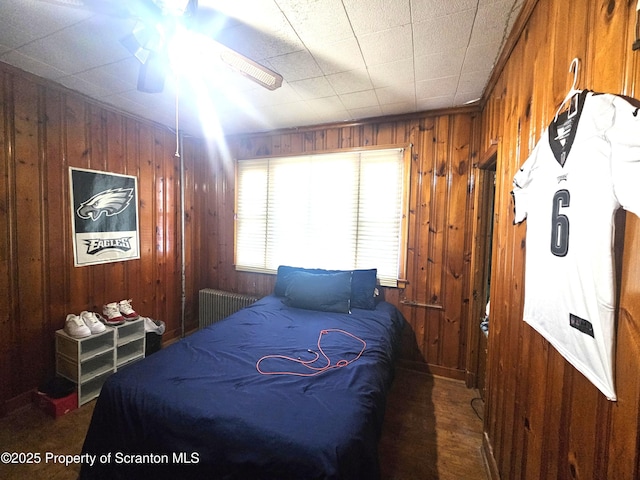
17,402
490,464
432,369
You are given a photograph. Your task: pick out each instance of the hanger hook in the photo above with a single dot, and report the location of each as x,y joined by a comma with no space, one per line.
575,63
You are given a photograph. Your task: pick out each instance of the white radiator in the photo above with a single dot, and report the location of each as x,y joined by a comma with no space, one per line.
214,305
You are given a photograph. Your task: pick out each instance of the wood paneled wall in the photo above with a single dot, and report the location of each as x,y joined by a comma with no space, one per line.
543,419
435,300
44,130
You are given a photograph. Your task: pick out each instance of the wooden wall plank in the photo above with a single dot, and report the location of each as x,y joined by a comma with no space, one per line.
79,156
606,50
29,214
7,252
455,325
112,141
437,215
622,448
57,212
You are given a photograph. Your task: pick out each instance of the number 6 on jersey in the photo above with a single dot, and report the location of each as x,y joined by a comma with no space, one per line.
560,224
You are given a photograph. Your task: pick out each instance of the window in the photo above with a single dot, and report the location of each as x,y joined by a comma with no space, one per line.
338,211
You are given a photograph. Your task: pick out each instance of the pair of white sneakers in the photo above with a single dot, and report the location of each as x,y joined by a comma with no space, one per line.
83,325
89,323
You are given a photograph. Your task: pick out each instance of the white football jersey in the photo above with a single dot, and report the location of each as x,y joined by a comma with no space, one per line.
581,171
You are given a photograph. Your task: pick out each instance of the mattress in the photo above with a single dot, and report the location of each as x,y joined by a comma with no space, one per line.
271,392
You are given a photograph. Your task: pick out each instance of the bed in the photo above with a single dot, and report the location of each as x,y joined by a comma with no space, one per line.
292,387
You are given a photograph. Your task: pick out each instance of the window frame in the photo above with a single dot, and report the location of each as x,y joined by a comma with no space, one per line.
404,212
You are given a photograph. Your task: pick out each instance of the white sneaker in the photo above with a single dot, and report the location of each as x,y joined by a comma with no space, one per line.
126,311
112,314
75,327
91,321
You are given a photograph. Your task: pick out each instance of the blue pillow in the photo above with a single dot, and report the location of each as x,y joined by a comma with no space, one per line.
363,283
325,292
284,277
363,287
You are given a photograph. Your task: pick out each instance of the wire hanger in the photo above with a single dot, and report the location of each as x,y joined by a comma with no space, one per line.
573,68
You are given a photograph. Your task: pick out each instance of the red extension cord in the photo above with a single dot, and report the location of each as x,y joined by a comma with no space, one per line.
309,363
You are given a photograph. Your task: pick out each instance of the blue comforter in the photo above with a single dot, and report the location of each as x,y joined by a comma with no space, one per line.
201,408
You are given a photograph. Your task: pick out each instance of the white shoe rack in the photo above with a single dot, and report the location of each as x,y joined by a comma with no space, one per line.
90,360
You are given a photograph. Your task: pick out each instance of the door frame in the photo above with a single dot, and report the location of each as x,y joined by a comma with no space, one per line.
484,173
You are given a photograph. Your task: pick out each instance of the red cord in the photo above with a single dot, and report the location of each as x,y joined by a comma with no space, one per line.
308,363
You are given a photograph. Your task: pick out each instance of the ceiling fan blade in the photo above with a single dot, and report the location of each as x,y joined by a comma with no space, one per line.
152,74
250,69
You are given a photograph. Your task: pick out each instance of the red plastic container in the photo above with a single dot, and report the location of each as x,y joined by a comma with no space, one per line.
56,407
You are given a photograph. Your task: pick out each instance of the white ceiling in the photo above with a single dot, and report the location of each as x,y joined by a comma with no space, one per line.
342,60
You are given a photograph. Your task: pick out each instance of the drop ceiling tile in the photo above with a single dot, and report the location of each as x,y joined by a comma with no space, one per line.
150,101
351,81
126,70
264,31
491,22
309,88
437,87
473,82
513,16
387,46
339,57
90,43
392,73
364,112
443,34
27,20
366,98
288,116
269,41
296,66
13,37
398,93
440,64
318,22
480,57
433,103
113,78
398,108
379,15
325,107
262,97
422,10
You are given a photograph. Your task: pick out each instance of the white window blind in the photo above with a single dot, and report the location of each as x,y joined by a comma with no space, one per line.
338,211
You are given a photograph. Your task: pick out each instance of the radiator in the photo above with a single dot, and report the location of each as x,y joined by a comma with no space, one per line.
214,305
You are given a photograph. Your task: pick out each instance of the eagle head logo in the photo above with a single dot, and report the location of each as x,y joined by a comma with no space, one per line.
110,202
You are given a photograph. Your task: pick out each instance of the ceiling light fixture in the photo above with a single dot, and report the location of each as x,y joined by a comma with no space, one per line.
250,69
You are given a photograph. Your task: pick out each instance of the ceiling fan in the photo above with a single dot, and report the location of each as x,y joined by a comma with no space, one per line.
156,21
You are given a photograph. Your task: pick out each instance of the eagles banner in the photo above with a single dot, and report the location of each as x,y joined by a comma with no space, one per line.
104,212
